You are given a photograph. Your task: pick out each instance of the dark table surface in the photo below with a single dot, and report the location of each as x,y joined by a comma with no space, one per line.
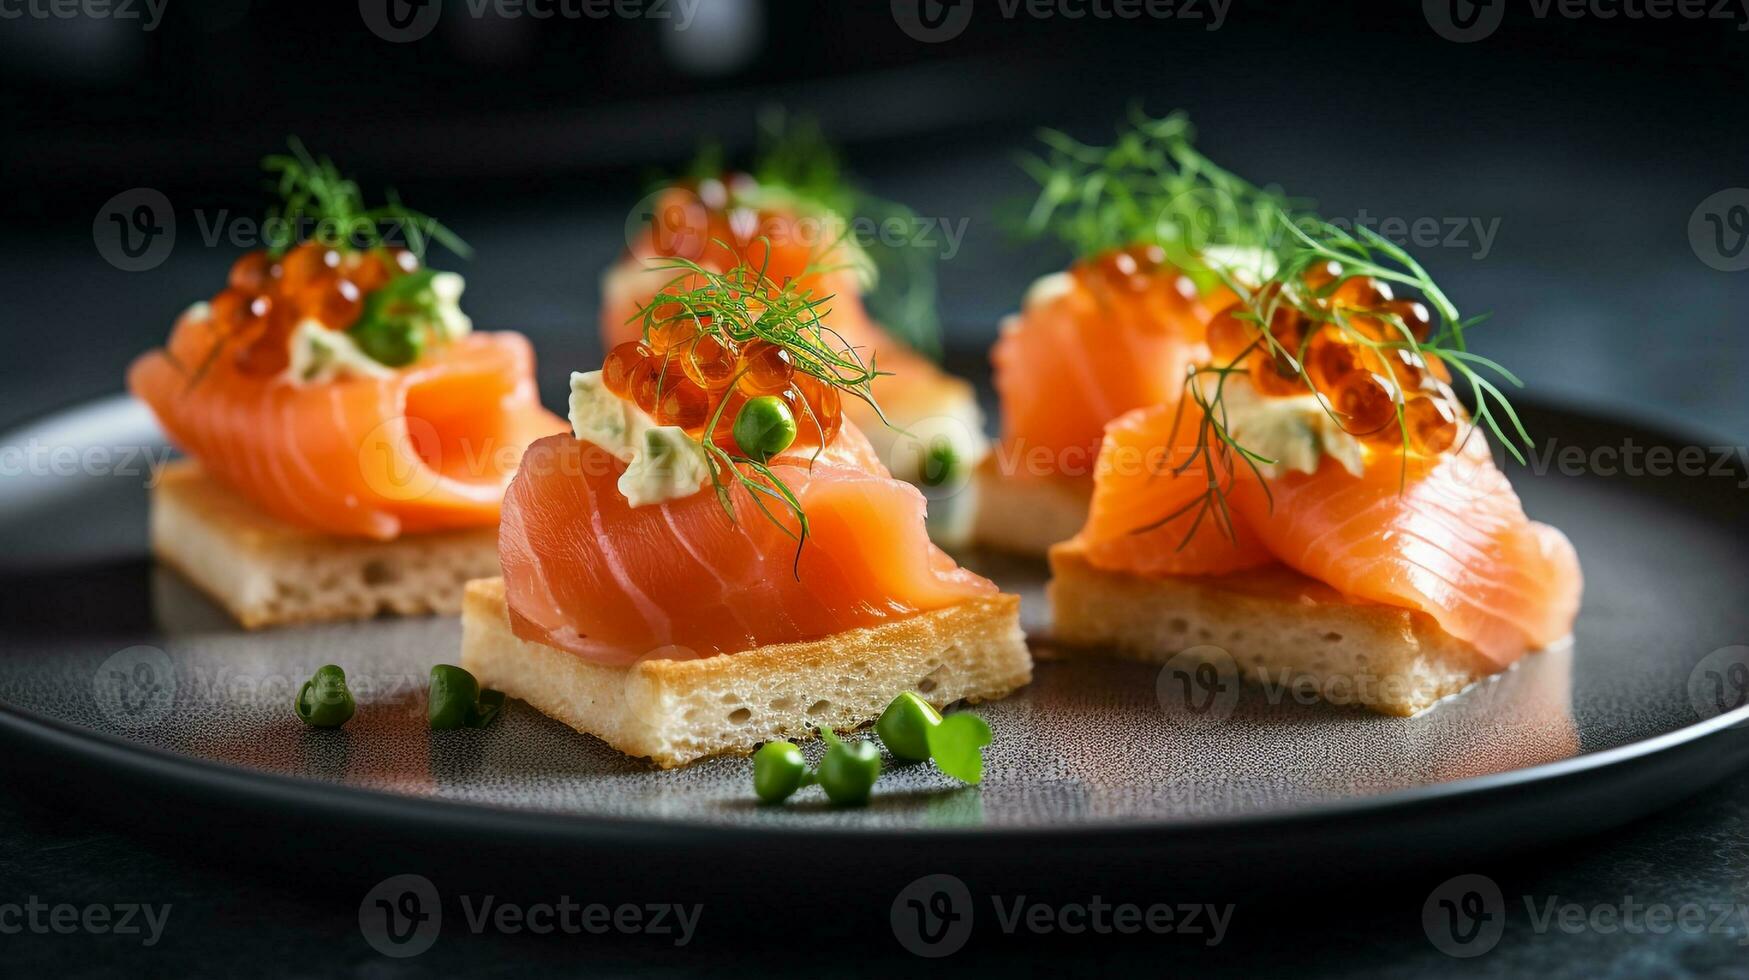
1600,300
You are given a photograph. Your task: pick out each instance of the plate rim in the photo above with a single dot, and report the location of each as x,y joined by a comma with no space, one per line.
240,783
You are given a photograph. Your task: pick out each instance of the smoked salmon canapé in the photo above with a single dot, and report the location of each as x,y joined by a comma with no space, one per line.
349,435
1156,230
1322,511
715,556
796,219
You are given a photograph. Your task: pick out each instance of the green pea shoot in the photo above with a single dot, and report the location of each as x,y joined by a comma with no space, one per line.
456,701
764,427
323,701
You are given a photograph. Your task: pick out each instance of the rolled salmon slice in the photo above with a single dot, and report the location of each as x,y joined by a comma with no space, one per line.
1447,536
588,573
428,447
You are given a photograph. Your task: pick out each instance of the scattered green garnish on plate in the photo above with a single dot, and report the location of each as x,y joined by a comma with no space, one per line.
778,771
323,701
910,728
849,769
456,700
904,727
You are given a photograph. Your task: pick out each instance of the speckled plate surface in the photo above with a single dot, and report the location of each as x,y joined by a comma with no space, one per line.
122,668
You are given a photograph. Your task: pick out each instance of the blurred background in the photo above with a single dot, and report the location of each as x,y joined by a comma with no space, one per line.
1569,168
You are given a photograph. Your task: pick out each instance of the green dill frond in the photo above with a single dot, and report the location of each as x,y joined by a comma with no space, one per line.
738,307
1149,187
317,202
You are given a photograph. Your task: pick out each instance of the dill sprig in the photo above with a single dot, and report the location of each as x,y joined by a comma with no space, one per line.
314,198
1307,241
740,306
1149,187
794,165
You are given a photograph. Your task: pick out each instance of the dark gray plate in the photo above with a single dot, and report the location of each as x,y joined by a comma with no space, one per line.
121,673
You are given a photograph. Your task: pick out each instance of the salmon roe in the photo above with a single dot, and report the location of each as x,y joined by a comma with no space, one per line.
1365,384
264,300
688,386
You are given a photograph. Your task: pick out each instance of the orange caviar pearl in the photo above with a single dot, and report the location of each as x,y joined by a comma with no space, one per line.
403,260
620,365
682,403
822,415
1431,424
310,261
710,363
267,327
369,271
230,309
1362,293
338,304
1413,314
729,403
1321,274
766,368
1330,359
1408,367
1368,401
251,272
1228,335
1274,374
672,327
647,378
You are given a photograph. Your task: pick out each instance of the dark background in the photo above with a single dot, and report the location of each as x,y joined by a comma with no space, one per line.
1589,140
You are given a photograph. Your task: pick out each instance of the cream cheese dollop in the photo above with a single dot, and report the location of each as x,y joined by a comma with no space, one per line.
662,461
1295,432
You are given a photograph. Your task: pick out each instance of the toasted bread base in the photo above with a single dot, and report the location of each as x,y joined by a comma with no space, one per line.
678,711
1026,515
266,572
1281,628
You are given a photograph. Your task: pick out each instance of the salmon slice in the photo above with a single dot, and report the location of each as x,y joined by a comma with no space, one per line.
1447,535
429,447
588,573
1089,345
